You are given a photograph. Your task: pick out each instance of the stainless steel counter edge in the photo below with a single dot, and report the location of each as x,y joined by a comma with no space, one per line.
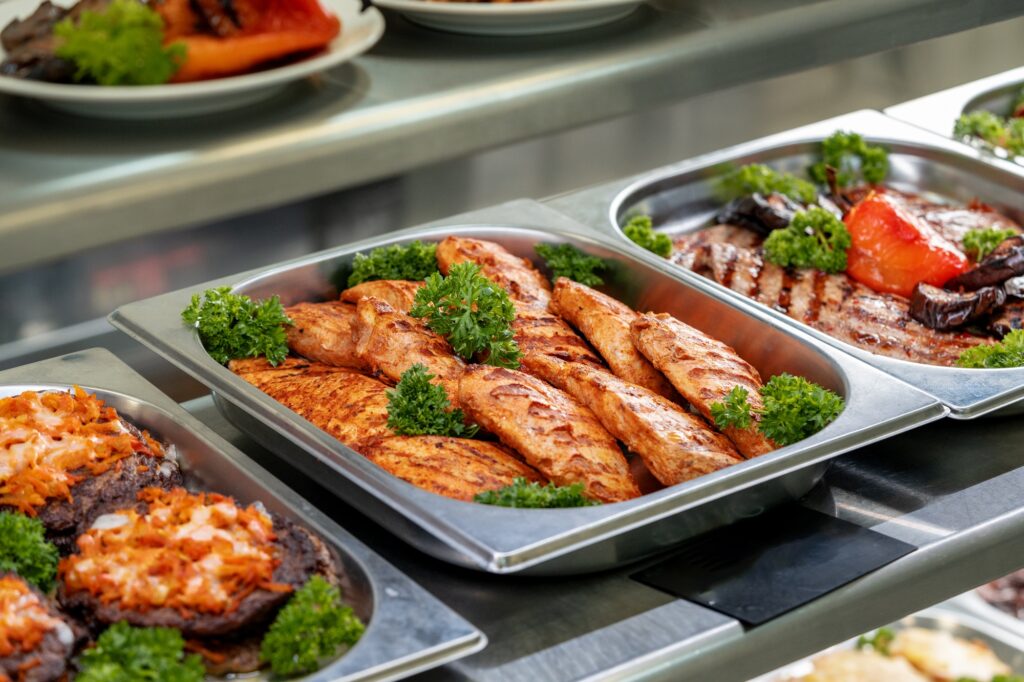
383,115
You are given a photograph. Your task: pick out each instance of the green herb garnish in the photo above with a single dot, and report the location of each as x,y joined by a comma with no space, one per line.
980,243
640,230
417,407
472,312
232,326
992,129
127,654
121,44
1006,353
523,493
757,178
853,158
413,261
880,641
25,550
814,239
312,626
794,408
565,260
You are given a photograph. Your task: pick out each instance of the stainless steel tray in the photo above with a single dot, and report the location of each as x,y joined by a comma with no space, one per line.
680,198
503,540
1008,646
939,111
408,630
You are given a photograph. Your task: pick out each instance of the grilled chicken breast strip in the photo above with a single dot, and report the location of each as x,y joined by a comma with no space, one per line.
704,370
605,322
555,434
516,275
400,294
324,332
675,445
459,468
544,334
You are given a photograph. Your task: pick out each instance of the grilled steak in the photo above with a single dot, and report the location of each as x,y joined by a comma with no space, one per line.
26,617
30,44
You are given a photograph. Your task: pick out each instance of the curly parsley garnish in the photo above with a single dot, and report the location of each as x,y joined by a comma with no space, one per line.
814,239
980,243
472,312
413,261
880,641
312,626
417,407
121,44
128,654
565,260
25,550
757,178
992,129
232,326
640,231
794,408
523,493
1006,353
853,158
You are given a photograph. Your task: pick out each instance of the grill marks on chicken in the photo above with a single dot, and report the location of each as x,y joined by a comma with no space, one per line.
556,435
605,322
543,334
459,468
399,294
324,332
523,282
704,370
675,445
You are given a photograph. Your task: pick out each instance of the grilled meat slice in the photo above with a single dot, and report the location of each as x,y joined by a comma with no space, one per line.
37,25
324,332
42,643
675,445
704,370
1007,319
31,46
605,322
523,282
459,468
559,437
391,342
351,407
543,334
399,294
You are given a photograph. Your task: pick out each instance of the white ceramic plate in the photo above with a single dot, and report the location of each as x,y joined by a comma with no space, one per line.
359,31
512,18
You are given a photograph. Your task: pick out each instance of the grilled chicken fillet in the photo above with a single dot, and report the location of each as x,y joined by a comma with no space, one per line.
459,468
324,332
559,437
704,370
400,294
545,334
516,275
605,323
675,445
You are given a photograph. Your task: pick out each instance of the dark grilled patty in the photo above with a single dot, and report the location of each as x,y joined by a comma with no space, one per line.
47,661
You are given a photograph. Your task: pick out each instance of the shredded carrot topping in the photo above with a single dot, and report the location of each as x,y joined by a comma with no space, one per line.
51,441
24,620
191,552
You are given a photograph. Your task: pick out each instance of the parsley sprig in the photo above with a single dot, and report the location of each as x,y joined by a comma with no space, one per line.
757,178
312,626
523,493
992,129
417,407
233,326
979,243
794,408
640,231
814,239
413,261
853,158
1006,353
472,312
25,550
128,654
565,260
880,641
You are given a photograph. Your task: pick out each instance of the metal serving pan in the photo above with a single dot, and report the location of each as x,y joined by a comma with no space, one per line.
680,198
408,630
504,540
1007,646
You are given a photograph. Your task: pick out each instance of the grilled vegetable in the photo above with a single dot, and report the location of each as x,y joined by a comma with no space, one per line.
24,550
313,626
122,44
941,309
814,239
413,261
523,493
756,178
472,312
640,231
419,408
852,158
1007,353
760,213
565,260
1005,261
127,654
893,250
232,326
